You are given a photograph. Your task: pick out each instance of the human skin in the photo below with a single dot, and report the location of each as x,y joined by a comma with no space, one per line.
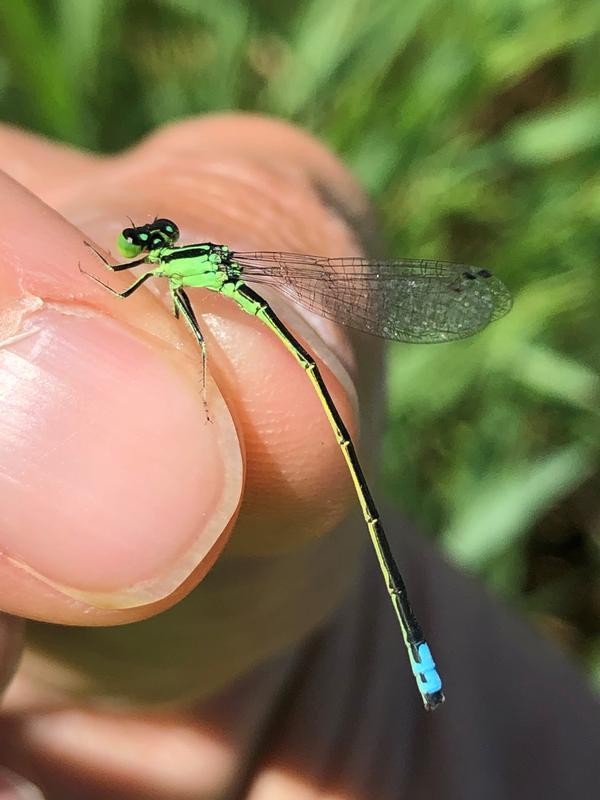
117,497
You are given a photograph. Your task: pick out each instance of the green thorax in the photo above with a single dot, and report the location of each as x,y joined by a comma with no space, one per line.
208,266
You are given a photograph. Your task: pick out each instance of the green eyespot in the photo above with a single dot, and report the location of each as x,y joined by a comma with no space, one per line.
127,248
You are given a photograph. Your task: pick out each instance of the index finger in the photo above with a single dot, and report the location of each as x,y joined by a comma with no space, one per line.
213,198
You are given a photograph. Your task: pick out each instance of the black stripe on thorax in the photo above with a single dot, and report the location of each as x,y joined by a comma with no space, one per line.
190,251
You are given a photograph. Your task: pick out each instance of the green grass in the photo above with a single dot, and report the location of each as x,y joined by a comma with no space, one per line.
475,125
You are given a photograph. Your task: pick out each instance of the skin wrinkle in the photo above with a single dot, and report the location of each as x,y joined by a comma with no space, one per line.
18,337
246,181
289,148
265,200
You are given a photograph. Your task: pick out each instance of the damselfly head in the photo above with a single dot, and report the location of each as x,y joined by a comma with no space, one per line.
144,238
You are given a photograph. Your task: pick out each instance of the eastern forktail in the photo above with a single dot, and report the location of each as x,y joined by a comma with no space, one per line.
410,300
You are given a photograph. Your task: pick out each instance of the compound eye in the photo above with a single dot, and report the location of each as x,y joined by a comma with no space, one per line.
173,231
128,245
169,230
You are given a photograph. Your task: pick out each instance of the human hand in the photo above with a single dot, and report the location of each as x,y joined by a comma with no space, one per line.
117,496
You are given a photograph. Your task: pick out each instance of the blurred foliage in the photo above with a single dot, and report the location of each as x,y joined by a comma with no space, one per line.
475,124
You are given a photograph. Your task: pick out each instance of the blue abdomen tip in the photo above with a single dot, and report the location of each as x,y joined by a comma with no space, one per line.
424,670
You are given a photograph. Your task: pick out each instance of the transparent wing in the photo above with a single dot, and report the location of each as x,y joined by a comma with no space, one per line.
411,300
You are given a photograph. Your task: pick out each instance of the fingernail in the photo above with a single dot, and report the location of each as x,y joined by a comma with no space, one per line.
113,486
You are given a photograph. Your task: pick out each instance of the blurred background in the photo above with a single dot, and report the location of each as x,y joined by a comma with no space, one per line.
475,126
